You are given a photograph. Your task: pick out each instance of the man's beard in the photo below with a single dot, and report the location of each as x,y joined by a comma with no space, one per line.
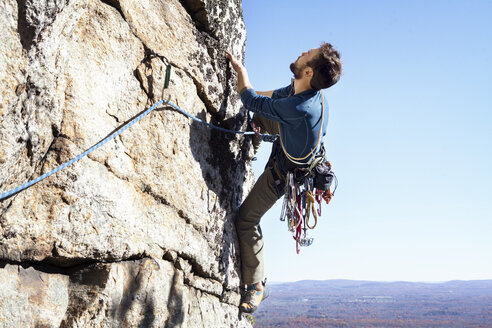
296,70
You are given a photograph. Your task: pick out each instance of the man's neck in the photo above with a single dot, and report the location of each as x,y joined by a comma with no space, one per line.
301,85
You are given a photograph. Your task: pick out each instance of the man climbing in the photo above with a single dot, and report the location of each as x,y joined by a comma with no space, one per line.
299,114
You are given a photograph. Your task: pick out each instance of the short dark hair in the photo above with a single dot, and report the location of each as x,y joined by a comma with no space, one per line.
327,67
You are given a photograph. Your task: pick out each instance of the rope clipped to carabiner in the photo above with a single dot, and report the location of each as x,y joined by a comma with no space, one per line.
264,137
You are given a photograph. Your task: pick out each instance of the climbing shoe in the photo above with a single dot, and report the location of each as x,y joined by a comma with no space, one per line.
253,298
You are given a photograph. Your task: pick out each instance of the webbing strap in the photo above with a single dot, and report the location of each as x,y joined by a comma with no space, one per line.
310,201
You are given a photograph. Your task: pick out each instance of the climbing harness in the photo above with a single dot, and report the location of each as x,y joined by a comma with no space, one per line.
305,186
264,137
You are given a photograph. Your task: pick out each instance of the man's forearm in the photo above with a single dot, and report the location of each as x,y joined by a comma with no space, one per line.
265,93
243,80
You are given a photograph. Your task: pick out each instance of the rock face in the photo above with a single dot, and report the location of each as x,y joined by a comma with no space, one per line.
140,233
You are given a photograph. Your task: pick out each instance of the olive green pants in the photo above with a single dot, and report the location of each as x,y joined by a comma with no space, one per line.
260,199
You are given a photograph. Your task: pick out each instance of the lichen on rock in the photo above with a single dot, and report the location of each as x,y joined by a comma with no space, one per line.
140,232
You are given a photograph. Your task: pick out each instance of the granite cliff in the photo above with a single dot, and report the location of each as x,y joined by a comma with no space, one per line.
140,233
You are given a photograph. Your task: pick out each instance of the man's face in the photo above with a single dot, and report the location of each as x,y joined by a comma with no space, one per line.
300,64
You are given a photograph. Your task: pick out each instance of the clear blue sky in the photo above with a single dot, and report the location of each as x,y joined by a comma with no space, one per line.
409,136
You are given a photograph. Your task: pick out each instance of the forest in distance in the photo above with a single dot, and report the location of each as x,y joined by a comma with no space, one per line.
349,303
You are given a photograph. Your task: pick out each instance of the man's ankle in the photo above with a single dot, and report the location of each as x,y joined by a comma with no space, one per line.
258,286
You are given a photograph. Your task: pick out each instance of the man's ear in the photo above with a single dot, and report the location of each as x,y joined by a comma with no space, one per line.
308,72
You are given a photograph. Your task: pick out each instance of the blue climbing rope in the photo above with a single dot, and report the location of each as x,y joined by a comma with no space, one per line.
265,137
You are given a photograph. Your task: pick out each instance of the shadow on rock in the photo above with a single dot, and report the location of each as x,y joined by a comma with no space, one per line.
175,303
224,173
88,285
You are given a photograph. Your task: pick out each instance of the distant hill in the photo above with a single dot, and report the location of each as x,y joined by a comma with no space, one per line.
351,303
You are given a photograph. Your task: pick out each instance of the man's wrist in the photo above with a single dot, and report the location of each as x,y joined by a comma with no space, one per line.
242,70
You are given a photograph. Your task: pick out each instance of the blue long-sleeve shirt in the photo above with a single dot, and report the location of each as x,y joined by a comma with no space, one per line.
299,116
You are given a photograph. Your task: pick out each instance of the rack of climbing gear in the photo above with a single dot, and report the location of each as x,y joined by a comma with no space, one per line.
300,199
124,127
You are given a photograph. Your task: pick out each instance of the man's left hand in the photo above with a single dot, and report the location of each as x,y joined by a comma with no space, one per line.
236,65
242,74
